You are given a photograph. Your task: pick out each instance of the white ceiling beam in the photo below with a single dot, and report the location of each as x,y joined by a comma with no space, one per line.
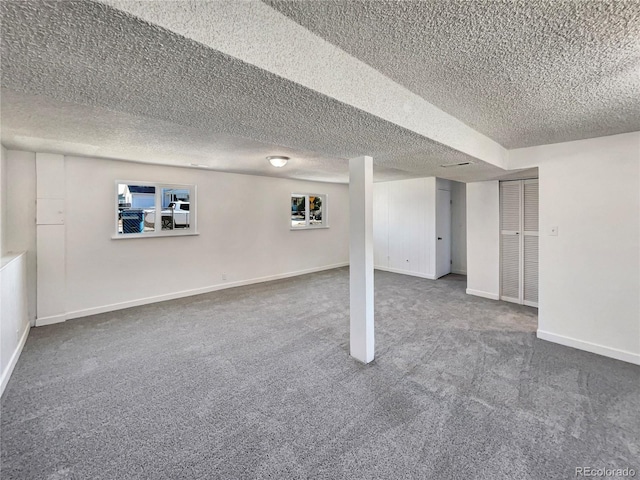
259,35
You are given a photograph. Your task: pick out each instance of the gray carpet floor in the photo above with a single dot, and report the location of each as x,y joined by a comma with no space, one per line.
256,382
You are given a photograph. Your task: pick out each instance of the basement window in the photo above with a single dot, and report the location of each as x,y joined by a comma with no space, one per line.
146,209
308,210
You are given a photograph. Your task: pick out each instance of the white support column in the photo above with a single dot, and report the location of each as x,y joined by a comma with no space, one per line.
361,337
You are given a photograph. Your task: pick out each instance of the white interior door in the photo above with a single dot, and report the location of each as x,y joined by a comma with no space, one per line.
443,233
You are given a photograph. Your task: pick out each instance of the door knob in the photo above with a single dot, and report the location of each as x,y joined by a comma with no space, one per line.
439,238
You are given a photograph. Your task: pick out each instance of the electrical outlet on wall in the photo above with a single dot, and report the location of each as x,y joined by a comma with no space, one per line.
224,276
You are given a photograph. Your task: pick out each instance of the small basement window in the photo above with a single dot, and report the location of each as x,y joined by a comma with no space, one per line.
308,211
154,210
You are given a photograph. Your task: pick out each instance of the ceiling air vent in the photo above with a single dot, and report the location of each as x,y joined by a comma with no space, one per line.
461,164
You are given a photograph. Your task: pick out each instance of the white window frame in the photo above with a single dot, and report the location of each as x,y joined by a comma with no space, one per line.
157,231
307,213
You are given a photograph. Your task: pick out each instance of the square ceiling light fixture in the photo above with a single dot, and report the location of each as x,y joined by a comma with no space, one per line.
278,161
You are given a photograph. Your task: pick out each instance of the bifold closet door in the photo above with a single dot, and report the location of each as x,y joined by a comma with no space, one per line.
510,227
519,241
530,243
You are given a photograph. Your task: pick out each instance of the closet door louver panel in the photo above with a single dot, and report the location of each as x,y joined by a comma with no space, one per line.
531,270
530,242
531,206
510,267
510,206
510,226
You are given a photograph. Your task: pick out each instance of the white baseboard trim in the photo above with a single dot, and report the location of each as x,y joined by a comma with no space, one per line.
42,321
405,272
185,293
459,272
6,375
590,347
480,293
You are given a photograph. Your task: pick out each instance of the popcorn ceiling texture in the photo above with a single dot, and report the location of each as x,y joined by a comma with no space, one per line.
259,35
87,79
523,72
67,128
91,55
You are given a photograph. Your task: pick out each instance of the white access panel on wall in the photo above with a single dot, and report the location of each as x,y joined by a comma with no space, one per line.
519,241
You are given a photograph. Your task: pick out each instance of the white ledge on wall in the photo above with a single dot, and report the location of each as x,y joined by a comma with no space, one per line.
309,228
153,235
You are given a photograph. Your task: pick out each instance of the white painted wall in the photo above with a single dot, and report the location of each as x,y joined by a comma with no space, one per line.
14,322
483,239
459,228
19,225
590,271
404,226
244,233
3,198
381,225
14,306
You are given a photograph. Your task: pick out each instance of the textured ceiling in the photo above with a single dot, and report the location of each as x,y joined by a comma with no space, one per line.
67,128
81,77
523,72
259,35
